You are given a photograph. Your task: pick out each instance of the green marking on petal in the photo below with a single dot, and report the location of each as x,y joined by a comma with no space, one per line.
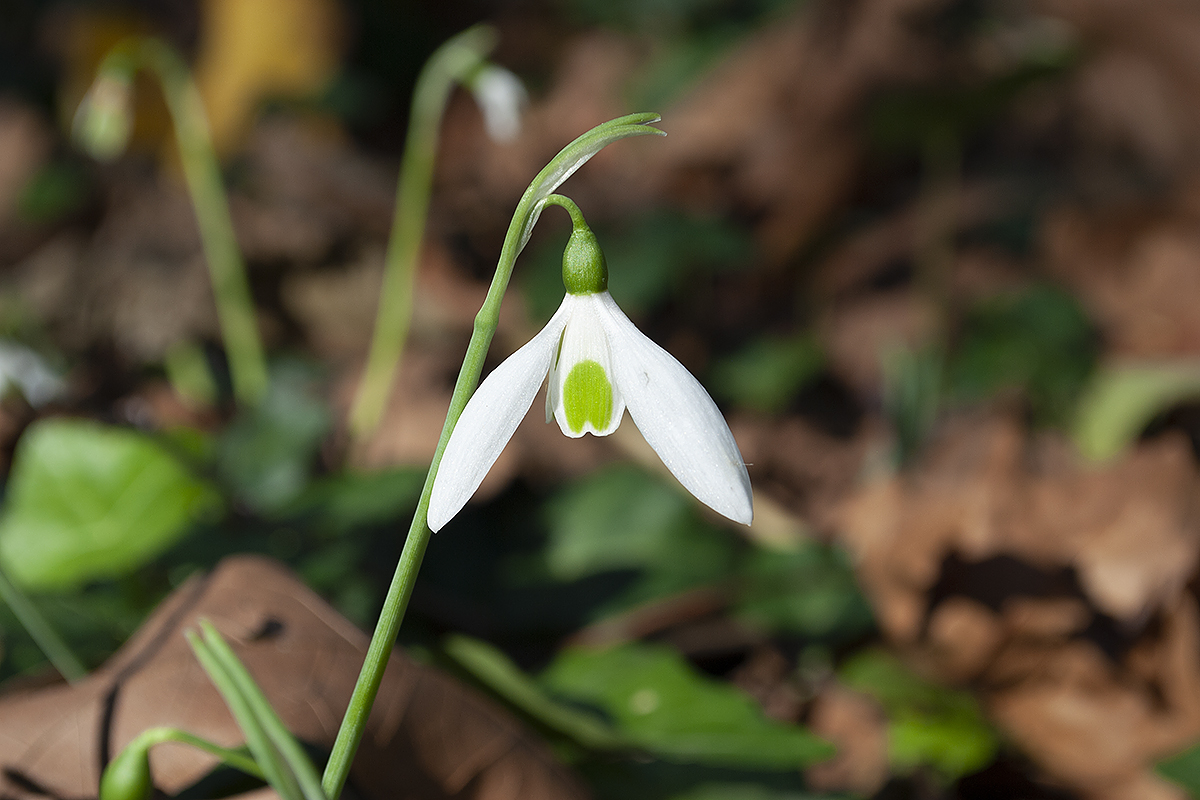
587,396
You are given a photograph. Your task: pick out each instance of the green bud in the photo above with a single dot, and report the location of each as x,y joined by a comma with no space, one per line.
127,777
104,120
584,269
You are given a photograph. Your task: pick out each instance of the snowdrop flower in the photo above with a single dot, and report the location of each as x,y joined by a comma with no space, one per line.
599,364
502,98
104,120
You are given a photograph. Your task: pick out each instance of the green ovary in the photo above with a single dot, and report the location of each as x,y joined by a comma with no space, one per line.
587,396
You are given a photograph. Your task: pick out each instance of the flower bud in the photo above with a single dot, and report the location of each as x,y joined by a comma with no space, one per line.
584,269
127,777
104,121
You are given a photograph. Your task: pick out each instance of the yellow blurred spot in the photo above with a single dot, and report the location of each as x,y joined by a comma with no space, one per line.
252,50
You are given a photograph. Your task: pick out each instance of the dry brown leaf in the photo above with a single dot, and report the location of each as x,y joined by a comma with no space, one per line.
807,470
1006,564
766,675
773,128
1094,725
428,736
1137,93
770,130
333,306
1136,271
858,335
305,190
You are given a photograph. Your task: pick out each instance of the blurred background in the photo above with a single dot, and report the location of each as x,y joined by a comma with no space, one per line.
938,261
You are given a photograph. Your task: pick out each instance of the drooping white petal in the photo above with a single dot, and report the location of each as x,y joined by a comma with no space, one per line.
582,393
678,418
502,99
489,420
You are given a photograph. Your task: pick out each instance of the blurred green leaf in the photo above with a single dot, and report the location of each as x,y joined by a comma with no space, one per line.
1038,340
625,518
1183,769
811,592
56,190
1123,399
87,501
928,725
266,454
660,703
347,500
766,374
647,261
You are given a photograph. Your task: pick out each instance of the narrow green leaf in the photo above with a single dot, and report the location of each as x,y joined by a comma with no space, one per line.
298,763
1184,769
1123,399
492,668
266,755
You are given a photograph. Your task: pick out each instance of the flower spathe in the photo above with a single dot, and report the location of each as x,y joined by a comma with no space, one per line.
599,365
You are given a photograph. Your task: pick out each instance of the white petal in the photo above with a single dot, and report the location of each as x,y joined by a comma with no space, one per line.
502,98
584,340
678,419
489,420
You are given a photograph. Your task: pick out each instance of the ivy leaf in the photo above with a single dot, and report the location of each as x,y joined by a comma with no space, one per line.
86,501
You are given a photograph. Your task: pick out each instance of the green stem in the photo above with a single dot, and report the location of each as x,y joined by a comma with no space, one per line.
202,172
577,220
450,64
234,758
528,209
43,633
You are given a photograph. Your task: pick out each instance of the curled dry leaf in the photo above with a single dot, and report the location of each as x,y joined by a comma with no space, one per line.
428,736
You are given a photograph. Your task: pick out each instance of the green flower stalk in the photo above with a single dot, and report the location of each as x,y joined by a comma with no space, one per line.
127,777
459,61
571,158
102,127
